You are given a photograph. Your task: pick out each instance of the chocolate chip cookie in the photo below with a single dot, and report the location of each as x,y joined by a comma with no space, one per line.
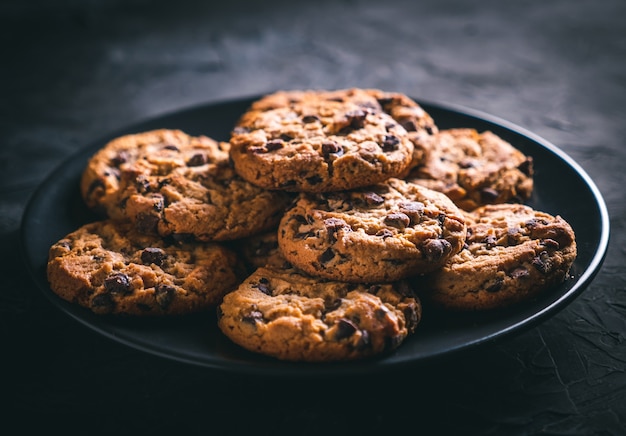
472,168
289,315
319,141
169,183
512,254
110,268
100,179
384,232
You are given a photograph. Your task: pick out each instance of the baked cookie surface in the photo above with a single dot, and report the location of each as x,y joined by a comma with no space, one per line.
180,185
381,233
472,168
289,315
319,141
101,177
110,268
512,254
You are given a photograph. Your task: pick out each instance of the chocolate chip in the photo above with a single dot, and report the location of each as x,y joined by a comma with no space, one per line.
331,147
356,119
327,255
264,286
335,304
381,312
152,255
310,119
533,223
550,244
519,272
384,101
435,249
345,329
495,286
466,163
333,225
409,125
413,209
410,317
117,283
197,160
171,147
65,244
142,184
398,220
146,222
390,143
164,294
526,167
490,241
158,202
274,144
285,137
513,234
542,262
373,199
252,317
120,158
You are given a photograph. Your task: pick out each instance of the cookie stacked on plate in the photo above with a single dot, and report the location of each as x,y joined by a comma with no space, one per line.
317,230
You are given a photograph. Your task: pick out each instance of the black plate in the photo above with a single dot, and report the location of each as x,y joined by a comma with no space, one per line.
561,187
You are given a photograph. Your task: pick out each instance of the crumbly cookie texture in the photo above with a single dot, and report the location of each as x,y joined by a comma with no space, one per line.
405,111
289,315
381,233
110,268
321,141
512,254
101,176
185,187
472,168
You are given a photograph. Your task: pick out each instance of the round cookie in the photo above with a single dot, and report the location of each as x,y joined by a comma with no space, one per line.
512,254
319,141
100,178
189,191
381,233
289,315
110,268
472,168
400,107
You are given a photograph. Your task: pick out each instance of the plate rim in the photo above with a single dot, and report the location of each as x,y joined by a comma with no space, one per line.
276,367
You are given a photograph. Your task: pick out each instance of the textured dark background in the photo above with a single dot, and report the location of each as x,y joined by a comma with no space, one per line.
73,71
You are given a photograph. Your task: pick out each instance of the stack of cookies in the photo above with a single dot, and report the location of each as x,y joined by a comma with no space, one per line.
317,230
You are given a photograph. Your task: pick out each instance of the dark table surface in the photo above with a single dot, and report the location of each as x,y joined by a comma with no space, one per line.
74,71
